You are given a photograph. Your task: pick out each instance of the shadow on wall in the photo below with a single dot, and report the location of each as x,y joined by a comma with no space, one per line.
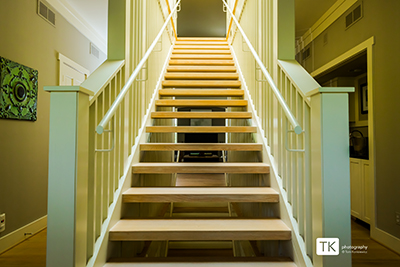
201,19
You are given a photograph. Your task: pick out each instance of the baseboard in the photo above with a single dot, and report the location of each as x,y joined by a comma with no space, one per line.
13,238
386,239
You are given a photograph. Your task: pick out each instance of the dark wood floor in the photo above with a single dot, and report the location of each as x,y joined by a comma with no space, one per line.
32,252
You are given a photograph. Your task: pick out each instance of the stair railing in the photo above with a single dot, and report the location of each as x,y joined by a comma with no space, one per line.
304,167
110,113
289,115
87,171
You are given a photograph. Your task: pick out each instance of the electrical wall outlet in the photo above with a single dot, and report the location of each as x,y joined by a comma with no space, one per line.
398,218
2,222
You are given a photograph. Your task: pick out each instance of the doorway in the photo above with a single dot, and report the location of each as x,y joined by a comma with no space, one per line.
354,69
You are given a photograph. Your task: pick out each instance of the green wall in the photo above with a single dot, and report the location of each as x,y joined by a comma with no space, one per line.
29,40
381,20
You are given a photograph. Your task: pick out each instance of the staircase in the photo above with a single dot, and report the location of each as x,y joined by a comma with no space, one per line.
201,215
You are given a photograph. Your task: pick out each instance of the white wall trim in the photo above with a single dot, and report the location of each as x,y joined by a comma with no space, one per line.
70,14
13,238
386,239
327,19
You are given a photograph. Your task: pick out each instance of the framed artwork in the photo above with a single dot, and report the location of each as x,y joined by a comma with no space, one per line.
18,91
364,98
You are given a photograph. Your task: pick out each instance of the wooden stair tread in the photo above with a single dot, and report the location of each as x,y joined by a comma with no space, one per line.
200,115
200,103
200,194
201,84
201,146
200,43
202,56
200,167
201,76
201,129
200,229
205,51
203,92
202,262
211,39
202,62
203,47
201,68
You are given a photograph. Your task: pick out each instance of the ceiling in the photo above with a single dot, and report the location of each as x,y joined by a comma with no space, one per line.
95,13
308,12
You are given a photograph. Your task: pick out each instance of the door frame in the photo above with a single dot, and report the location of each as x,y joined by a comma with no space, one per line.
68,64
366,46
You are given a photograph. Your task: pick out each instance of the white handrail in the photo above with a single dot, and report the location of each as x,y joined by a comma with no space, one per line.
296,126
125,89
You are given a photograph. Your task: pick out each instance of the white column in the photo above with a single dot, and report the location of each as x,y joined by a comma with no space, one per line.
330,171
68,174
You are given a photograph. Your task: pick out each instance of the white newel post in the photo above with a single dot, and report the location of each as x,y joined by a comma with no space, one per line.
330,171
68,176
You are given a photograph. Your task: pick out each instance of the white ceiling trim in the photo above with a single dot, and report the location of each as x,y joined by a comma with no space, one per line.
70,14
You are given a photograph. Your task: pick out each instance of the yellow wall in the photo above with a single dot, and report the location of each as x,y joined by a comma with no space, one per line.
382,21
29,40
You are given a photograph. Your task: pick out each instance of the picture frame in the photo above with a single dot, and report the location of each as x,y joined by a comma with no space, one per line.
364,98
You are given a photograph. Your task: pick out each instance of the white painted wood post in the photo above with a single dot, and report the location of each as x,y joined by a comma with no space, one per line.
68,175
330,171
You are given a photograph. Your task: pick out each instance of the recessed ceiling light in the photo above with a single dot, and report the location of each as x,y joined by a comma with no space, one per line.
355,70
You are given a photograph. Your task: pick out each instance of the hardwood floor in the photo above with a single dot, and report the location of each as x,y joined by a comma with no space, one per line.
377,255
32,252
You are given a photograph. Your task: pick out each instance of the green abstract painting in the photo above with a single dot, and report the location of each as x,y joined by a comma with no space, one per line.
18,91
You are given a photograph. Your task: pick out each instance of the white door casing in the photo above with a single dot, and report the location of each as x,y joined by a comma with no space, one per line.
71,73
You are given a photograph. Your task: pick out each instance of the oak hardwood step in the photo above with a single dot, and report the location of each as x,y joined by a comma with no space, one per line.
200,167
201,62
202,47
203,92
200,115
199,229
197,52
201,262
201,129
201,56
200,103
201,68
200,194
210,39
201,84
200,43
201,147
201,76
